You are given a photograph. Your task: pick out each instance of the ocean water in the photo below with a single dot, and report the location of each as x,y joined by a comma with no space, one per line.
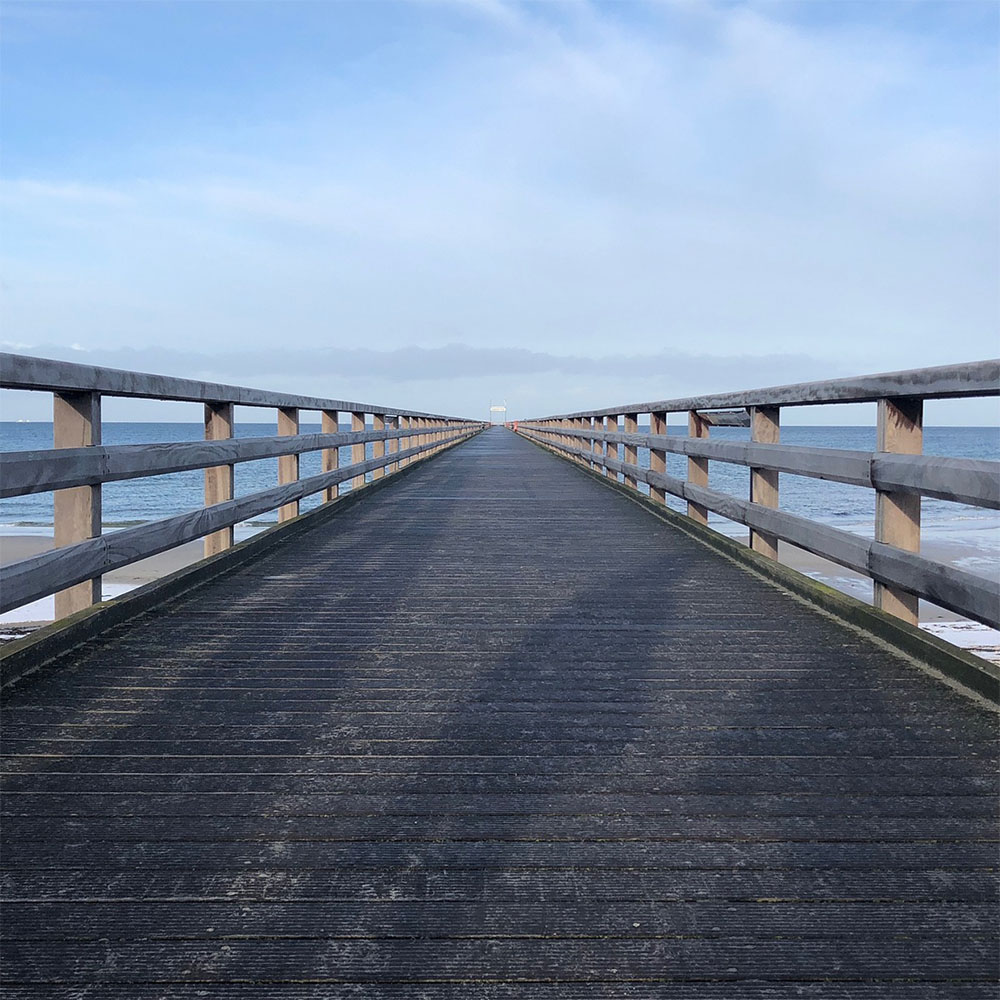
838,504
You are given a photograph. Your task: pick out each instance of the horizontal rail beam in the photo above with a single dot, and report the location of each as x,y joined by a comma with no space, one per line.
19,371
976,378
41,575
25,472
962,592
971,481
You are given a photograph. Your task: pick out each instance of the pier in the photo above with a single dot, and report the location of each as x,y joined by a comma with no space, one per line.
496,723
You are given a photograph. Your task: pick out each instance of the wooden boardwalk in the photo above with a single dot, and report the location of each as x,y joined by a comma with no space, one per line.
495,732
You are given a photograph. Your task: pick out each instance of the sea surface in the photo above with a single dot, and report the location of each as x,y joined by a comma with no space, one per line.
849,507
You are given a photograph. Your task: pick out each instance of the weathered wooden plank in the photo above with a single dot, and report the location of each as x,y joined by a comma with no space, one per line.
19,371
725,418
379,960
23,472
971,481
977,378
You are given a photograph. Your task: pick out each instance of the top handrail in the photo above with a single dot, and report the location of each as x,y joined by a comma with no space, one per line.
21,371
974,378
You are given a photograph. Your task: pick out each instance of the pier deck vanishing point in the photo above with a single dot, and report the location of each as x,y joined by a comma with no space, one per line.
495,731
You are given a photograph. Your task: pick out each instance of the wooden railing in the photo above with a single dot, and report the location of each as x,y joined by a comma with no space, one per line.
79,464
897,471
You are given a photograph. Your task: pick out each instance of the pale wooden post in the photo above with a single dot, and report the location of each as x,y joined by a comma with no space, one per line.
657,457
330,457
897,515
596,444
76,423
418,439
631,452
392,445
611,447
698,427
288,465
765,427
218,479
357,450
378,447
405,442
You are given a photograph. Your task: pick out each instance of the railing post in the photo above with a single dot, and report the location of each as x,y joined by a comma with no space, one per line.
765,428
76,423
657,457
698,427
357,450
392,444
611,447
330,457
288,465
631,452
378,447
218,479
596,444
897,515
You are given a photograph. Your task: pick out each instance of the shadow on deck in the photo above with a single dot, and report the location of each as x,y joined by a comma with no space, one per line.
495,733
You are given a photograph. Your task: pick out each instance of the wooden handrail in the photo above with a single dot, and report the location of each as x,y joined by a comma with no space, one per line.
26,472
960,591
35,577
76,469
18,371
971,481
897,471
975,378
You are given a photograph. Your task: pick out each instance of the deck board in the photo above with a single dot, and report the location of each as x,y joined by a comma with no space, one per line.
495,732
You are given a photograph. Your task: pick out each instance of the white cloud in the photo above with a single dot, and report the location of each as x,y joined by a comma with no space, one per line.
710,179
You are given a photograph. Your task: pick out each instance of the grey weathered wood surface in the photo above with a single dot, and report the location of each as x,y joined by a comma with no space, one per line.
23,472
18,371
978,378
963,480
965,593
35,577
452,743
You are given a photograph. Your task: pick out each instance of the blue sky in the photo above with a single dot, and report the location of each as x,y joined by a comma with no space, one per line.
702,196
